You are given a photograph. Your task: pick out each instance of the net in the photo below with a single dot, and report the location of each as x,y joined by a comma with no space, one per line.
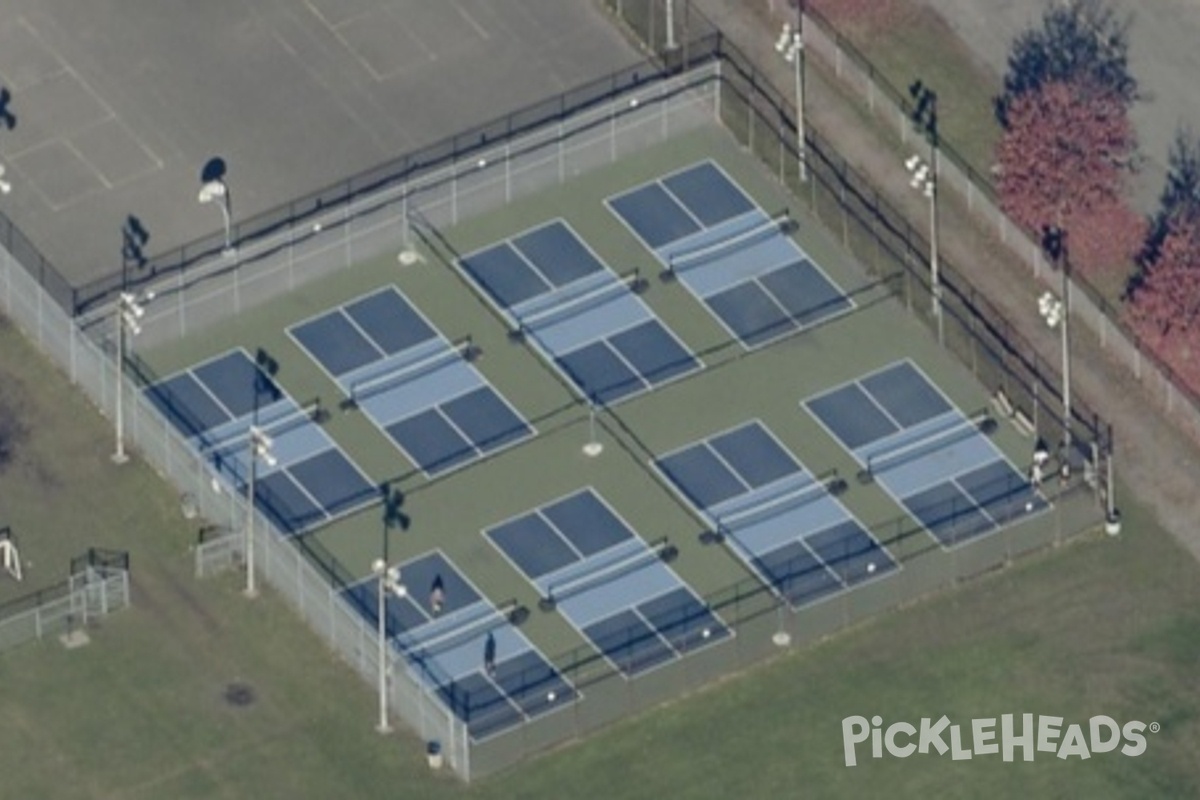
576,585
940,439
274,426
777,506
471,629
707,253
378,384
583,301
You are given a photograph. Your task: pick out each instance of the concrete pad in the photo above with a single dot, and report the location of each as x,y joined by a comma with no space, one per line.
75,639
59,174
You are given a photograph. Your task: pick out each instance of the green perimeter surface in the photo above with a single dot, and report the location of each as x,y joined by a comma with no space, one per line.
450,513
1108,626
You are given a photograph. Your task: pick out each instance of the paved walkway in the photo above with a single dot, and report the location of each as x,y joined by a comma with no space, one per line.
1152,460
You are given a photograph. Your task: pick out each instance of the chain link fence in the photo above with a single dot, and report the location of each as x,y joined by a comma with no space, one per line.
197,287
893,107
697,82
878,234
468,175
97,585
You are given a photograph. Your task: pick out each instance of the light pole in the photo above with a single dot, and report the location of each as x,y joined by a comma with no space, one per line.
1057,313
130,309
791,45
260,448
925,117
215,191
389,582
923,177
671,44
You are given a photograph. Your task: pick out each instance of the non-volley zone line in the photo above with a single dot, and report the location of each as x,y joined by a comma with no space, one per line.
304,478
937,461
595,329
616,589
784,522
419,388
743,265
470,651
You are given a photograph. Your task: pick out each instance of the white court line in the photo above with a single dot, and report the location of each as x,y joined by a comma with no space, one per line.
87,87
483,34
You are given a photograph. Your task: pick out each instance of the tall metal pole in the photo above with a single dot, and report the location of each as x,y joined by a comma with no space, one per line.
935,275
798,58
128,311
251,589
260,447
389,582
119,456
1066,355
383,726
671,44
228,249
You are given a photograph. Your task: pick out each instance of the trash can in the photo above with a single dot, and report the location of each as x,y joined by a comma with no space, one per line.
433,751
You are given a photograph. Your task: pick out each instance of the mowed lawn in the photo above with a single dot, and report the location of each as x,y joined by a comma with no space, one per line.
1104,626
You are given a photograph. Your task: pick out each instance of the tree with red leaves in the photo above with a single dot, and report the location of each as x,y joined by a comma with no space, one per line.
1164,300
1105,240
1078,42
1065,160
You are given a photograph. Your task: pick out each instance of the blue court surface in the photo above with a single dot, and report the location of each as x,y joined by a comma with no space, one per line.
934,460
464,647
584,318
416,386
731,255
787,527
607,582
215,403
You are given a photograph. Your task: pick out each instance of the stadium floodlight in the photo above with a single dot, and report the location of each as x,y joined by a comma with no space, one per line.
1056,313
388,583
216,191
259,445
129,311
791,46
923,177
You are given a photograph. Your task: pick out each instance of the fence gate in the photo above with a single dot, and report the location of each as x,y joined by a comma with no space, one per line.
99,584
218,550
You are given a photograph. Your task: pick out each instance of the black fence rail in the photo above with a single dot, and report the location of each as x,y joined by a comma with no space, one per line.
38,266
97,558
884,242
394,174
101,559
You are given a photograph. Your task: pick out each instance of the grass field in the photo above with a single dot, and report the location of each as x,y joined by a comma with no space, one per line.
1106,626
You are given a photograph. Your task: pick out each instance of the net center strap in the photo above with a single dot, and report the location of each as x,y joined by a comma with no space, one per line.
937,438
595,575
775,507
